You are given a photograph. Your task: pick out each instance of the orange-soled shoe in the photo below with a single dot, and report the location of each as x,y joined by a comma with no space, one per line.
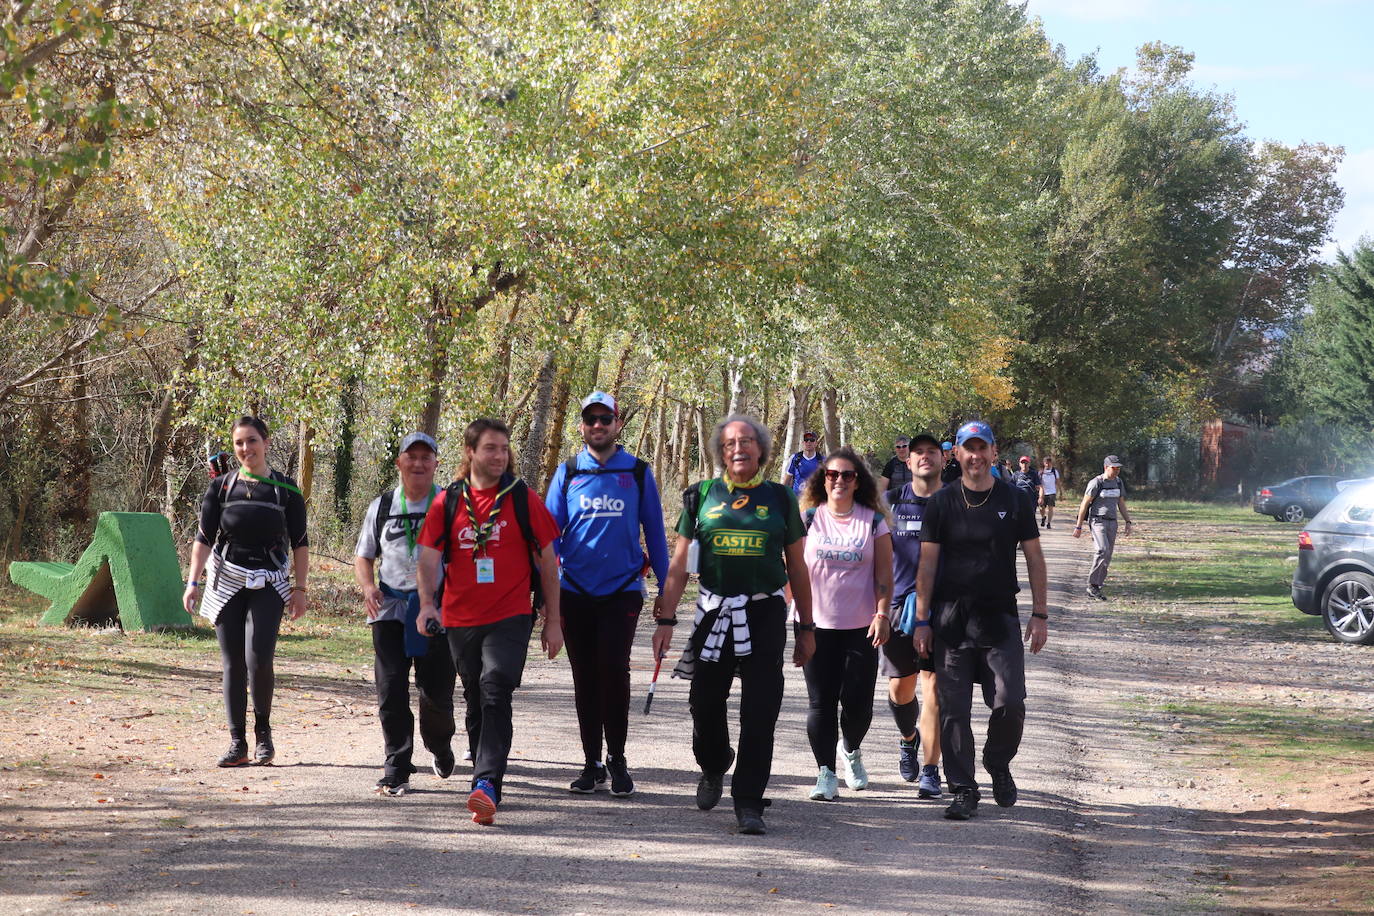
482,803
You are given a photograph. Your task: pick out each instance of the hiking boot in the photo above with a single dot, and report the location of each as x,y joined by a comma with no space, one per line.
1003,787
1095,591
482,802
592,777
444,764
265,751
711,785
929,786
906,760
236,756
827,785
852,762
394,785
750,820
964,806
622,786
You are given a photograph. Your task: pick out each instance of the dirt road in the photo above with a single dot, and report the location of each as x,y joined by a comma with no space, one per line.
129,816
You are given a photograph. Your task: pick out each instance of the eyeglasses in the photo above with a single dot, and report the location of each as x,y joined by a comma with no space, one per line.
592,419
808,438
738,443
833,475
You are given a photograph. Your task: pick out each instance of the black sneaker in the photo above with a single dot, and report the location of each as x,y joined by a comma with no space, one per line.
964,806
593,777
394,785
907,763
712,785
236,755
444,764
1003,787
622,786
265,751
1096,592
750,820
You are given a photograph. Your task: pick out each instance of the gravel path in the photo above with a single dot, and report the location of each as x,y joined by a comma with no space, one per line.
1105,822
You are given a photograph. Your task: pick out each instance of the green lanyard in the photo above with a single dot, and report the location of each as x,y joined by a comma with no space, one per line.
411,533
482,533
268,480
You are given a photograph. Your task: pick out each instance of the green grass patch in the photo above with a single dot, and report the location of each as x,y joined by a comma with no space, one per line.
1275,736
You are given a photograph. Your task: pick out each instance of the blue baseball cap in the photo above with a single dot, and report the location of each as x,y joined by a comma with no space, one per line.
417,438
946,445
974,429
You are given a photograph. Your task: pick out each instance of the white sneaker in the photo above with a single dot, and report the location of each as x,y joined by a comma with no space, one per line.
827,785
855,776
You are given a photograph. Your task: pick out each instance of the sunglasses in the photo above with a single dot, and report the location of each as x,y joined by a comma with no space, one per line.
833,475
808,438
593,419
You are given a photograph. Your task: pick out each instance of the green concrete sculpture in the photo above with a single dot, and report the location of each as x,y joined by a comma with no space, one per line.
129,574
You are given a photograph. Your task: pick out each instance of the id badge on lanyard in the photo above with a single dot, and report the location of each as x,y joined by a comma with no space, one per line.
486,570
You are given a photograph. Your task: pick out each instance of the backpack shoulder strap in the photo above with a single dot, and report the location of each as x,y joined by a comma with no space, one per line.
808,517
383,513
569,472
641,470
520,502
451,493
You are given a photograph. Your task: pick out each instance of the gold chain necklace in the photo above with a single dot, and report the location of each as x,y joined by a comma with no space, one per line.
963,491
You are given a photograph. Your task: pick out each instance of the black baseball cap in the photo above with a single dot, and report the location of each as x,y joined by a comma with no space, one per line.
925,437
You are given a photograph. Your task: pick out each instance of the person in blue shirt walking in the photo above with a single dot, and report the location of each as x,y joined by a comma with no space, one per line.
802,464
601,498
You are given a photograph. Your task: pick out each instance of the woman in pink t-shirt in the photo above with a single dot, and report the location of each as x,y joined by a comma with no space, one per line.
849,557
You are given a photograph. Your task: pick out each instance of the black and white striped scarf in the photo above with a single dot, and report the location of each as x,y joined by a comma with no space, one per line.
718,618
227,579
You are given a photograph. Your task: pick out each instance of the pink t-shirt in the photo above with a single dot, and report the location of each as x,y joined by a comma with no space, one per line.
839,556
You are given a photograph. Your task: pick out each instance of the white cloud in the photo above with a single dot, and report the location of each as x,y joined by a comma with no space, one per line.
1356,219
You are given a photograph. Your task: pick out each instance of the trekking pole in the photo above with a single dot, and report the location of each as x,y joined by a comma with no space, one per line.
649,700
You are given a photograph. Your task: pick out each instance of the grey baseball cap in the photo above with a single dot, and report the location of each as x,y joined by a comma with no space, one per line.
1111,461
413,438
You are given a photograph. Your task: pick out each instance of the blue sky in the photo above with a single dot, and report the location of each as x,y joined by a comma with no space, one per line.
1299,70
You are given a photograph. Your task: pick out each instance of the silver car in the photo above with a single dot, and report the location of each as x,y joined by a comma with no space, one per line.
1335,575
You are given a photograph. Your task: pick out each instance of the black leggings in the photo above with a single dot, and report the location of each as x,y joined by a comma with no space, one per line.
839,681
598,632
247,632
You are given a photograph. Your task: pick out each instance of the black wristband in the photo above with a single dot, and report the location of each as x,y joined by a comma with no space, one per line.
666,621
1039,616
799,627
922,623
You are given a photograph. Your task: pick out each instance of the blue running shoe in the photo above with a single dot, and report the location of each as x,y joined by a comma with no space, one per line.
906,760
482,802
929,786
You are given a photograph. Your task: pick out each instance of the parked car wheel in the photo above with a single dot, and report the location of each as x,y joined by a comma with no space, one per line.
1294,513
1348,608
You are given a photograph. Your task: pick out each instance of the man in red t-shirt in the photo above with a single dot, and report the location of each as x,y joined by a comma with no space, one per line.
486,608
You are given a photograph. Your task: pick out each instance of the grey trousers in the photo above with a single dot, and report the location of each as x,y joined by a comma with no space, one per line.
1001,670
1104,542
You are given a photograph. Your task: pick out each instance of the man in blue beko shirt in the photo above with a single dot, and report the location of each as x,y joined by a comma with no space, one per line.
601,498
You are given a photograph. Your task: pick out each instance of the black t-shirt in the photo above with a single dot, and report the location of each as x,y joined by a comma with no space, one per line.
896,472
951,472
256,536
1026,480
977,571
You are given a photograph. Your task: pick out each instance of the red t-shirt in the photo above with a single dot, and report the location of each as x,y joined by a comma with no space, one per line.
467,602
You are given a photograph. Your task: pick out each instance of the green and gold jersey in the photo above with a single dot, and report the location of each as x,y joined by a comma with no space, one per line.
742,533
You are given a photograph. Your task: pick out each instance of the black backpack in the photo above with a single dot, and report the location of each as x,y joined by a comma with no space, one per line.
520,503
276,484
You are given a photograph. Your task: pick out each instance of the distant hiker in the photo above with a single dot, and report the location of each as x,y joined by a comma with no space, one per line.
896,473
802,464
950,472
391,533
1103,498
1026,479
849,563
1049,490
904,667
252,535
750,538
966,615
494,541
601,499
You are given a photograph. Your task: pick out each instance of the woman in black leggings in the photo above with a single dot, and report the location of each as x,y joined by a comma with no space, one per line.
849,559
252,535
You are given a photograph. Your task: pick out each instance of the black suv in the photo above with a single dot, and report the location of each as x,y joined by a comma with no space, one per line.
1297,499
1335,574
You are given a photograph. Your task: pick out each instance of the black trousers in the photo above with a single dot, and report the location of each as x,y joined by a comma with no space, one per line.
434,679
491,660
247,629
839,683
1001,669
598,631
760,679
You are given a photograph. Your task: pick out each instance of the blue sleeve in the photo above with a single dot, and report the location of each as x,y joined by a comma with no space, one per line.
557,505
651,519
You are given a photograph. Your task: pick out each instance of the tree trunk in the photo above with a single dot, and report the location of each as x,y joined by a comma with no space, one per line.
830,419
343,451
532,453
504,347
176,400
553,449
73,487
707,464
622,368
682,434
663,452
438,342
733,376
306,480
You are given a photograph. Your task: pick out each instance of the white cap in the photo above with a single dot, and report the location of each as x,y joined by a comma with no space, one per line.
602,398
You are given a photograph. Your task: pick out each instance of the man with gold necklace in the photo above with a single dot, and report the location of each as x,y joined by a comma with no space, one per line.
967,618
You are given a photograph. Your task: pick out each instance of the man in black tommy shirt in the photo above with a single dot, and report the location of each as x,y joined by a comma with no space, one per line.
967,616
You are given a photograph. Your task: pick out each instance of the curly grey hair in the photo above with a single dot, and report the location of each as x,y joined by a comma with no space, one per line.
765,438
